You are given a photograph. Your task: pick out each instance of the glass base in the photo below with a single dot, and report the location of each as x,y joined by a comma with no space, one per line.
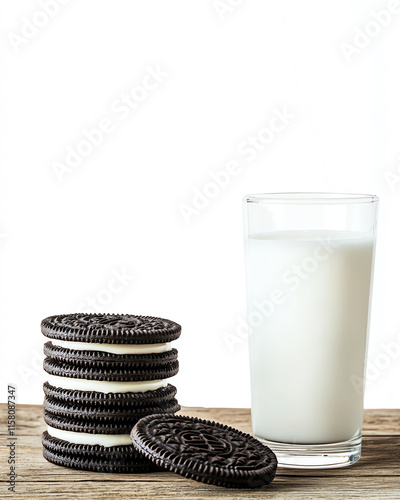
315,456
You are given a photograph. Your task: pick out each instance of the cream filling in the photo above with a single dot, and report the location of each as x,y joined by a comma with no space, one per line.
87,438
104,386
114,348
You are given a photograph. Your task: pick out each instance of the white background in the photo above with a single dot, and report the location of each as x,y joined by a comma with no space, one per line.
120,209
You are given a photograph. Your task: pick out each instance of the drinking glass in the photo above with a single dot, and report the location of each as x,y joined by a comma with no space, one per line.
309,266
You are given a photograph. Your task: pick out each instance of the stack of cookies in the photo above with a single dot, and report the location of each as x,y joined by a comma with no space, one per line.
105,372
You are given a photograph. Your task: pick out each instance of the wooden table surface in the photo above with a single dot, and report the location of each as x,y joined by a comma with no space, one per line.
375,475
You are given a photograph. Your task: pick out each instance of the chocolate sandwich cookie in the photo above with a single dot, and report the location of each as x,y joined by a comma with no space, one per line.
205,451
100,437
97,458
110,328
159,396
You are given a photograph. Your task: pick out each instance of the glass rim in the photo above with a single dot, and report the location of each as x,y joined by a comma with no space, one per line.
311,198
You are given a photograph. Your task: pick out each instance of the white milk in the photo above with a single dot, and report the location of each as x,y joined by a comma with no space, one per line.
308,301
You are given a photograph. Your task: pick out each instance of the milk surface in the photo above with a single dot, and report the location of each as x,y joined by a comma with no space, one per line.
308,302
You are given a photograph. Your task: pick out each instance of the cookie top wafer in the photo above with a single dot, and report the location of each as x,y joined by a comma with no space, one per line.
103,372
110,328
205,451
151,361
92,398
116,425
108,413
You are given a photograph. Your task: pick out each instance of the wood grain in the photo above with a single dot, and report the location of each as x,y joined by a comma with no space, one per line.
376,475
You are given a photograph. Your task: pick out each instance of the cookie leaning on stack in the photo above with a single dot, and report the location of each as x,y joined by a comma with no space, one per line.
105,372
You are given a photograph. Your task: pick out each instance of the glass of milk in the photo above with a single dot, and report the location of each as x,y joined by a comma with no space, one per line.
309,266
